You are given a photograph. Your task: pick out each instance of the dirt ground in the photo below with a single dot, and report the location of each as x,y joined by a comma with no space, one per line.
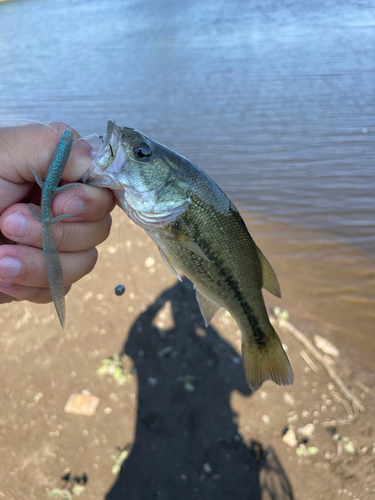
191,427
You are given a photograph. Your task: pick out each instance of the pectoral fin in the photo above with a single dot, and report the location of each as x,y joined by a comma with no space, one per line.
270,282
207,306
169,264
187,242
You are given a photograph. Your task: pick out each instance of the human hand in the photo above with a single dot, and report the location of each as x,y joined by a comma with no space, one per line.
23,273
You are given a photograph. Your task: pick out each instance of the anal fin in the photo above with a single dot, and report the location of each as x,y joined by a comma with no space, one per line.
270,282
207,306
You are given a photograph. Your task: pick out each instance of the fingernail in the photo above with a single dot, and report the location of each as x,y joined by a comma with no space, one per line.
16,225
9,267
74,207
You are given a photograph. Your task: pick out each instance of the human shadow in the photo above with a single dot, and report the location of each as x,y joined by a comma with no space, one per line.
187,445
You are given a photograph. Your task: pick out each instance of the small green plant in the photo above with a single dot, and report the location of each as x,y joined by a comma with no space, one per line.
187,381
73,486
119,460
343,442
113,366
302,451
280,314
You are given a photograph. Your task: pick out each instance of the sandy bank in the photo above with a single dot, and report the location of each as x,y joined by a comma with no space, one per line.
192,428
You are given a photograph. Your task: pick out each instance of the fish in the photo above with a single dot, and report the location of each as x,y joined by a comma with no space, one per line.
49,189
199,233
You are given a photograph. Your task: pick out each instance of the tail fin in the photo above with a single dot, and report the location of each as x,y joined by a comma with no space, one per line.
266,362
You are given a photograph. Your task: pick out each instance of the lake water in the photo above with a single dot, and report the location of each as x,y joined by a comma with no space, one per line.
275,100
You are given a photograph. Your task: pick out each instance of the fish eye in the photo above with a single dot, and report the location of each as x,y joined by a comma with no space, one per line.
142,151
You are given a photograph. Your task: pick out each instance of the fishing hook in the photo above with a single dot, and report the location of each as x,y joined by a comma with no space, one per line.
109,144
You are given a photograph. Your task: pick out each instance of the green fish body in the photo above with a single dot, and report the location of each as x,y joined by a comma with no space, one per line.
200,233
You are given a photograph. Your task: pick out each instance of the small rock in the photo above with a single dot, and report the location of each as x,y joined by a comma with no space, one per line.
290,438
307,430
289,399
326,346
82,404
107,410
266,419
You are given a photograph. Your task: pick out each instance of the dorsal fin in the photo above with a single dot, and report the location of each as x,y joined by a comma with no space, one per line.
207,306
270,282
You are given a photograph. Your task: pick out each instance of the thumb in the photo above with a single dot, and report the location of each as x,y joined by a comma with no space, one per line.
34,145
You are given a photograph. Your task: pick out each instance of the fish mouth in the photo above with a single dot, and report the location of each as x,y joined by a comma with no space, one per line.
109,160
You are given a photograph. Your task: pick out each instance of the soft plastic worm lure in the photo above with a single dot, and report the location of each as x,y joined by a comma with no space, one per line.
42,214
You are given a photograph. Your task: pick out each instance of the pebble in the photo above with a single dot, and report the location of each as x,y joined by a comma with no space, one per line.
289,399
82,404
290,438
307,430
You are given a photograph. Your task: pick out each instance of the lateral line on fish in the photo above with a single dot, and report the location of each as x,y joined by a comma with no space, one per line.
42,214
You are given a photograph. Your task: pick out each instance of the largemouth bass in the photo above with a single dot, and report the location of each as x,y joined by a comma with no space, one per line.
200,233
